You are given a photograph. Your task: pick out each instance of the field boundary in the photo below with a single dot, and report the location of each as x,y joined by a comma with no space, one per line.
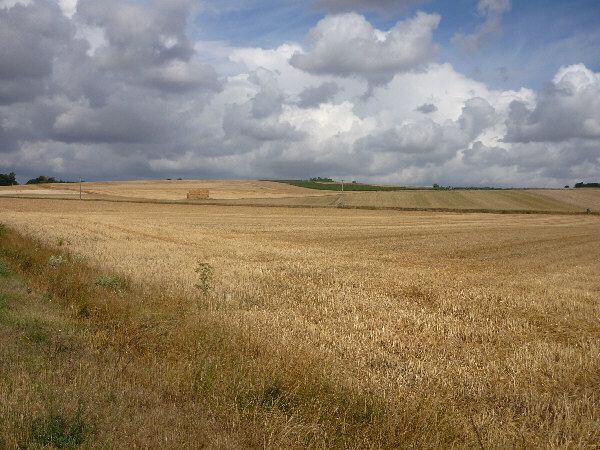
354,187
226,202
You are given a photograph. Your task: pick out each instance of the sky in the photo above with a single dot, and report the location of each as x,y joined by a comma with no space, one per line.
464,92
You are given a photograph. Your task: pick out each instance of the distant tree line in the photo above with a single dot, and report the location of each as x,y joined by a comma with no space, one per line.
10,179
44,179
322,180
587,185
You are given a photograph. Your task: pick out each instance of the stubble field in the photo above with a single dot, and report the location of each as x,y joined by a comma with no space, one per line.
269,193
168,189
469,330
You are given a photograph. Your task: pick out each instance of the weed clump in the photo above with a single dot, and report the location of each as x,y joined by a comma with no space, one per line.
3,305
56,260
59,431
4,271
35,332
84,311
274,395
205,277
110,282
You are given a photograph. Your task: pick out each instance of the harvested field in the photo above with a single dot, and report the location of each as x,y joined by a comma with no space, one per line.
178,189
462,199
460,327
43,190
269,193
583,197
459,200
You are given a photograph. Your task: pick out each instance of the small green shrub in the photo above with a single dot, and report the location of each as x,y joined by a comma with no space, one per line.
274,395
110,282
4,271
26,263
56,260
205,277
3,229
58,431
35,332
3,304
84,311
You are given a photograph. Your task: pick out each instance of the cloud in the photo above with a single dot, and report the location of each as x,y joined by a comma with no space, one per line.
31,36
424,142
492,12
58,92
121,89
477,115
180,76
427,108
138,35
259,119
148,44
566,108
367,5
118,122
541,164
347,45
7,4
316,95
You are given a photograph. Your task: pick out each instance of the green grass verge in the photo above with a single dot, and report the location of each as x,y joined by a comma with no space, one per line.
338,186
324,186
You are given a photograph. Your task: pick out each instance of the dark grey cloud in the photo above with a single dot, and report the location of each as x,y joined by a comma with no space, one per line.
23,122
410,138
182,77
118,121
66,109
148,44
139,35
313,96
427,108
347,45
477,115
240,121
481,155
269,99
31,37
237,125
258,120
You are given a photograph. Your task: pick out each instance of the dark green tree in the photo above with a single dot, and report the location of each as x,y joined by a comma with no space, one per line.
43,179
8,179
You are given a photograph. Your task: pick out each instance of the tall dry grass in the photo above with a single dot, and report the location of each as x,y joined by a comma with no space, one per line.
364,329
119,367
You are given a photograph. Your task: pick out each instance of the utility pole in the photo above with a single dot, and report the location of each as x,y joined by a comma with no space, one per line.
79,188
342,185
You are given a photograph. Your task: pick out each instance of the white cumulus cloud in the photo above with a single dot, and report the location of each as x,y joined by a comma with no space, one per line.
348,45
